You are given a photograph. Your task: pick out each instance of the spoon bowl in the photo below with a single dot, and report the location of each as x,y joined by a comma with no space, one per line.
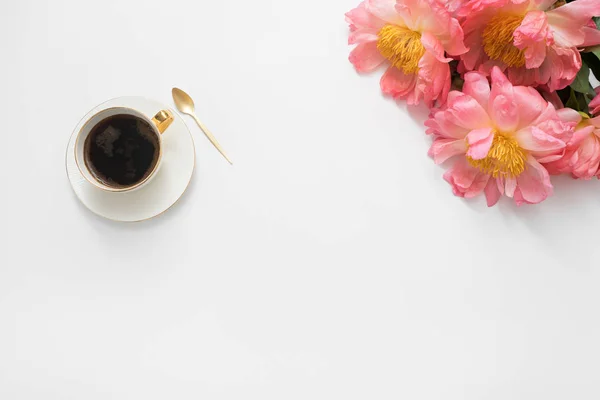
185,104
183,101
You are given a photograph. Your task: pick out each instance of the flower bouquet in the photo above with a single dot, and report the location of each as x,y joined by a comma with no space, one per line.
507,82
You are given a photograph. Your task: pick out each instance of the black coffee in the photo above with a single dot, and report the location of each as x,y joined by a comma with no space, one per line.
121,150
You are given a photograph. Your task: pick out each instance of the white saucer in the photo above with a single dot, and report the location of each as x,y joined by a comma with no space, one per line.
171,181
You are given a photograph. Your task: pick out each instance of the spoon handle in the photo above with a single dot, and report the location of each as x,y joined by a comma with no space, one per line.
210,137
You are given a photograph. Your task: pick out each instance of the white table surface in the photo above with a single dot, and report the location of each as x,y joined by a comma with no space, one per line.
331,262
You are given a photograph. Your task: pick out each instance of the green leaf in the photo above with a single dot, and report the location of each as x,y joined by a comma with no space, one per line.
572,102
582,83
597,21
578,101
593,62
595,50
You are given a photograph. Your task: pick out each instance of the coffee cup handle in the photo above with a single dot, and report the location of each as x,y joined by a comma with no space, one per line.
162,120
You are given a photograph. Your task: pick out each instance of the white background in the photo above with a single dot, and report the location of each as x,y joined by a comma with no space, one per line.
331,262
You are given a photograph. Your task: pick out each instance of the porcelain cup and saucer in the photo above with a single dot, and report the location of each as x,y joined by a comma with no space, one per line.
163,183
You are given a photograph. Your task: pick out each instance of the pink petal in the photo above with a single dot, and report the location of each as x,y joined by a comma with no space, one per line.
492,195
557,71
385,10
442,124
416,14
530,105
586,159
366,57
568,20
396,83
477,86
544,4
560,165
405,10
581,134
595,121
473,28
473,6
443,149
434,46
480,142
479,184
432,17
502,107
518,197
569,115
362,36
549,122
454,45
578,13
560,67
534,183
433,81
529,77
500,184
465,111
510,185
592,37
550,158
531,36
460,176
466,181
360,18
534,140
453,5
565,33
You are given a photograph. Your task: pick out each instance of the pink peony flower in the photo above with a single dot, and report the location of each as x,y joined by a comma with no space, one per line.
582,155
411,36
499,138
534,41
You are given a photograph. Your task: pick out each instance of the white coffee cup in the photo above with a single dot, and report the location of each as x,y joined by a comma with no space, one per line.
159,123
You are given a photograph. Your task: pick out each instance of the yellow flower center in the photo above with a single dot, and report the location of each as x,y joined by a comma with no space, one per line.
498,40
402,47
505,158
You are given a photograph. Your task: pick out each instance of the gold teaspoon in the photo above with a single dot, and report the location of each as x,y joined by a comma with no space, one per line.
185,104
